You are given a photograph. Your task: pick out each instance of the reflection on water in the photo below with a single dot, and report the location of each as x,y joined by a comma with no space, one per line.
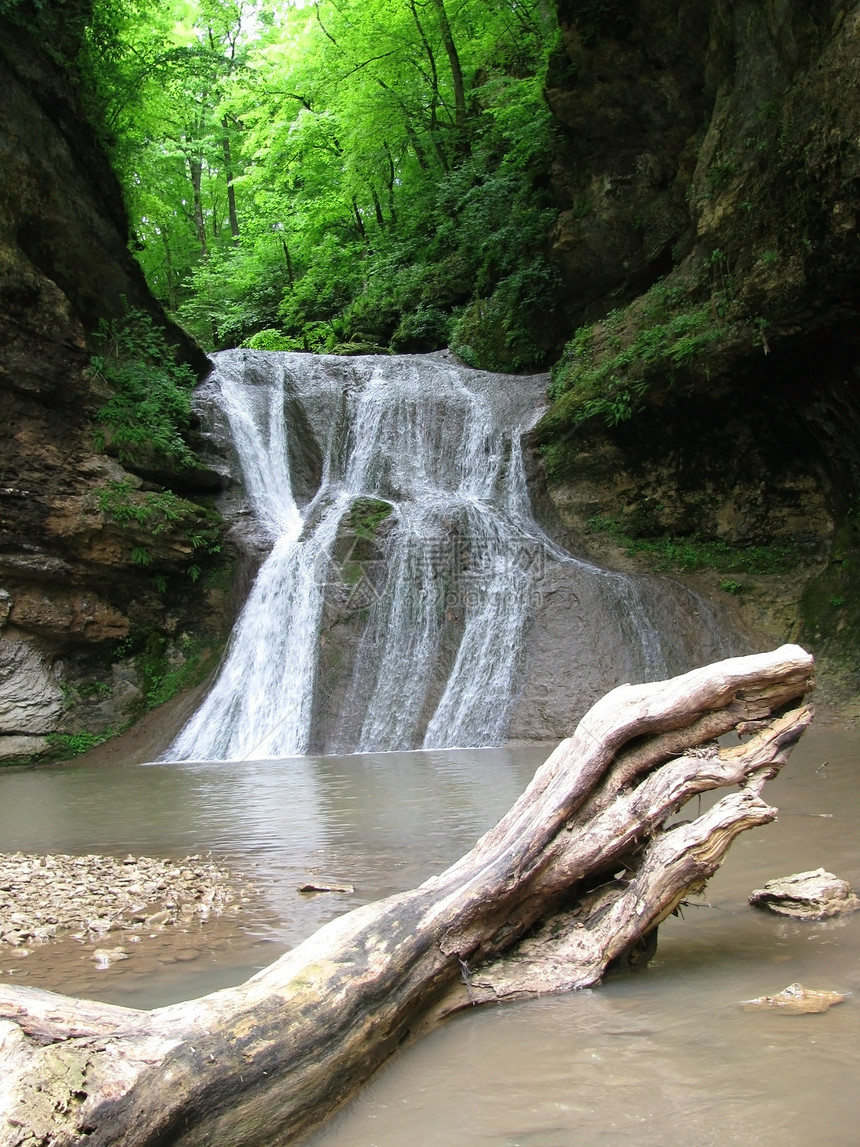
382,822
667,1056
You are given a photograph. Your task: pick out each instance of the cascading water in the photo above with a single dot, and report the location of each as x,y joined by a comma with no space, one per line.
439,660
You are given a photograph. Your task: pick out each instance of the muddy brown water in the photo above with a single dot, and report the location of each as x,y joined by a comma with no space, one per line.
666,1057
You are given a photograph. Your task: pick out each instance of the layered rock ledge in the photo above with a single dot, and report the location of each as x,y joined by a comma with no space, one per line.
813,895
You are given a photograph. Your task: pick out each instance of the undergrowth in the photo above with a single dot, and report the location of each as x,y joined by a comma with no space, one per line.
158,512
166,673
606,368
688,554
149,411
65,745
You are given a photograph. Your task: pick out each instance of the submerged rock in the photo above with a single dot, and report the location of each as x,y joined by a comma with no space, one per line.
798,999
807,895
316,887
104,957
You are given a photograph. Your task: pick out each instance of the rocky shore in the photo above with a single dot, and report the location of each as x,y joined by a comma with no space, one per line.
108,901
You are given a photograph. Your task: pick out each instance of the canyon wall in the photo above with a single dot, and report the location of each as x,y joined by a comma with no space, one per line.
709,181
89,631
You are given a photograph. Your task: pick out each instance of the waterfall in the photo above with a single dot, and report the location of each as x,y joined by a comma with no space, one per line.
450,583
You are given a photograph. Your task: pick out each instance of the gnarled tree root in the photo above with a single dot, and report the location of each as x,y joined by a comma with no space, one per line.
578,873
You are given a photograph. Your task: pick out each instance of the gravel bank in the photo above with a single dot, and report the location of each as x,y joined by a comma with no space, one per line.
121,900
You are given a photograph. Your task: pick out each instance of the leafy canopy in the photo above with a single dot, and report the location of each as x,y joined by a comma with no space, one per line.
345,174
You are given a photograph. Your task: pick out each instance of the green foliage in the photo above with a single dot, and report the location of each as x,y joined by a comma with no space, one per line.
502,332
24,12
426,328
830,605
93,689
342,174
140,556
65,745
720,174
168,672
272,339
729,585
366,515
157,513
607,368
559,458
153,512
57,24
668,333
150,407
668,554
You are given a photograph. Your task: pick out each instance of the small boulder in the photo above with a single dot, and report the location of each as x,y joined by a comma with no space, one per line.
807,895
314,887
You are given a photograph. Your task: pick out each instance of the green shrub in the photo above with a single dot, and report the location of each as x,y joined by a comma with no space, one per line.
156,513
164,677
273,339
688,554
423,330
150,408
73,744
729,585
607,368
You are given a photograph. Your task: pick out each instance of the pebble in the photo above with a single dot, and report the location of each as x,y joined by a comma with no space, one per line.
42,897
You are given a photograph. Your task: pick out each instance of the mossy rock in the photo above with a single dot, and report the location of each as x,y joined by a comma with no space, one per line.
353,349
830,606
359,535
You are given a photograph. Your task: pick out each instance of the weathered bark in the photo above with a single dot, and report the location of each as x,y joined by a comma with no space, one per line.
587,849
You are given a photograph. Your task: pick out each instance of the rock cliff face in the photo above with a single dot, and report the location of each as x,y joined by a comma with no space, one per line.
709,184
85,631
709,181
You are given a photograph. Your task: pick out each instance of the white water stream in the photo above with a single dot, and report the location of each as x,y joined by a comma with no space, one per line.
445,614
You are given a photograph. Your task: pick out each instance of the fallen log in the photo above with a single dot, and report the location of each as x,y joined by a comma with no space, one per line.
576,875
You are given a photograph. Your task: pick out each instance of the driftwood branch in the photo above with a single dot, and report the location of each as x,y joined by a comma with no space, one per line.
578,874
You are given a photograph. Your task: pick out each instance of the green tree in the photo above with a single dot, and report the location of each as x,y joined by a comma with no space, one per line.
361,172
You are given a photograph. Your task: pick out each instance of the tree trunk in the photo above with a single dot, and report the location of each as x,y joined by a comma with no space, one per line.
228,175
195,171
389,183
290,276
356,214
460,114
377,207
576,875
168,272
